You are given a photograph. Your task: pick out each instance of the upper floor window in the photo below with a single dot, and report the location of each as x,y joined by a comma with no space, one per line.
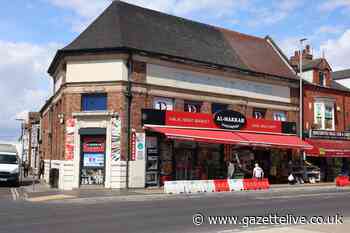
279,116
322,79
259,113
215,107
192,106
324,115
94,102
162,103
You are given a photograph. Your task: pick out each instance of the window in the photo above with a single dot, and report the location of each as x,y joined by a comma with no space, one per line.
161,103
322,79
259,113
94,102
191,106
215,107
324,115
279,116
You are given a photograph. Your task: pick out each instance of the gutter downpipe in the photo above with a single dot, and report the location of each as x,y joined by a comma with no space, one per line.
128,95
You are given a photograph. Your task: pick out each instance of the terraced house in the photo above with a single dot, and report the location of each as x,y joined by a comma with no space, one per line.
326,106
141,97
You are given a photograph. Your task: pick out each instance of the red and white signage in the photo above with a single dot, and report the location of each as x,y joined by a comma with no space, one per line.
69,144
133,146
94,144
201,120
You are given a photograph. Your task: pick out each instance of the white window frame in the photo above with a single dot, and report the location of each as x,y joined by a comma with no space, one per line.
323,112
278,114
163,103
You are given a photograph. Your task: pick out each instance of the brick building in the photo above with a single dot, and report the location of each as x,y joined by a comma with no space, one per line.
326,115
30,139
134,96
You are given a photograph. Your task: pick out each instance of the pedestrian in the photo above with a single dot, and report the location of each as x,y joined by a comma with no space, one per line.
26,168
41,168
258,172
230,169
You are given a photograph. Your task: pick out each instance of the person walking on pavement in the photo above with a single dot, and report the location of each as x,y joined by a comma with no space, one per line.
230,169
26,168
258,172
41,168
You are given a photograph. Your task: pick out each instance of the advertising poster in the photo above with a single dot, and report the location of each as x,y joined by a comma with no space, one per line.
69,145
94,160
140,146
133,146
115,139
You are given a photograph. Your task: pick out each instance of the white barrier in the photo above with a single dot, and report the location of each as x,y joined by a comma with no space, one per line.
174,187
235,184
198,186
209,186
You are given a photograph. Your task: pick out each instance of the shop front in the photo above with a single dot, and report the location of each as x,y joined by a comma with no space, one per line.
93,157
196,146
330,152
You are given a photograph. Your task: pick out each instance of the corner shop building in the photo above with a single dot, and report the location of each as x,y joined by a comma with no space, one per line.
92,129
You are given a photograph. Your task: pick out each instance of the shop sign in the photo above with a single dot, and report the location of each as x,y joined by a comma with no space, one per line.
262,125
332,135
228,119
189,119
94,145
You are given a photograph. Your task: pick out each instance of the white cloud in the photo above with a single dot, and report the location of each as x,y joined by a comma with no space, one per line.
337,51
330,29
87,10
331,5
279,11
289,45
24,84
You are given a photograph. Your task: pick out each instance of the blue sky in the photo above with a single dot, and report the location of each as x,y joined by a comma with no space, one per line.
32,30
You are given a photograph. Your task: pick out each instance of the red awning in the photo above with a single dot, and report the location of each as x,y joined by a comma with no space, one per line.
230,137
275,140
200,135
329,148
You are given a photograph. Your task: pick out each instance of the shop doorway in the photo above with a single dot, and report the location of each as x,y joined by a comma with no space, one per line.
93,160
184,164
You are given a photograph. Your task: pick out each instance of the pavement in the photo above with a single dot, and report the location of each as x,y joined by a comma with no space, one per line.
42,192
159,213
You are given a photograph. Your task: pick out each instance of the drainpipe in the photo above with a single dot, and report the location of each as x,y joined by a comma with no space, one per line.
128,95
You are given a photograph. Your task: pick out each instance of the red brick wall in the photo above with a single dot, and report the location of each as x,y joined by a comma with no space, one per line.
342,118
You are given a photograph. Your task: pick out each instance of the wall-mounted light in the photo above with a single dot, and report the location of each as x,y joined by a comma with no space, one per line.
338,109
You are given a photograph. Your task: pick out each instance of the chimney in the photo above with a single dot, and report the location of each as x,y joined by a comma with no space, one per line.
307,55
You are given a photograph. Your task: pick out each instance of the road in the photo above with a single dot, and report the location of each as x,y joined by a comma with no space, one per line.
166,215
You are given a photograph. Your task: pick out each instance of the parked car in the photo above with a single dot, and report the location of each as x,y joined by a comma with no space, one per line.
9,165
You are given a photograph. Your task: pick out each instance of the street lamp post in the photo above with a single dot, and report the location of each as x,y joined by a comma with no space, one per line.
22,147
301,109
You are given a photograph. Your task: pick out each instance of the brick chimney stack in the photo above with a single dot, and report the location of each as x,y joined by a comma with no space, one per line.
294,60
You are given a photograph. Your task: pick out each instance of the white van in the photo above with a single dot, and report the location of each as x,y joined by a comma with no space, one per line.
9,164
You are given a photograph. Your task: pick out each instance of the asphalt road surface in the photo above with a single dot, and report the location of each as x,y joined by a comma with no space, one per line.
175,214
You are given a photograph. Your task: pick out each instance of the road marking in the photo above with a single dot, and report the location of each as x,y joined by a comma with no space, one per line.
17,194
50,198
